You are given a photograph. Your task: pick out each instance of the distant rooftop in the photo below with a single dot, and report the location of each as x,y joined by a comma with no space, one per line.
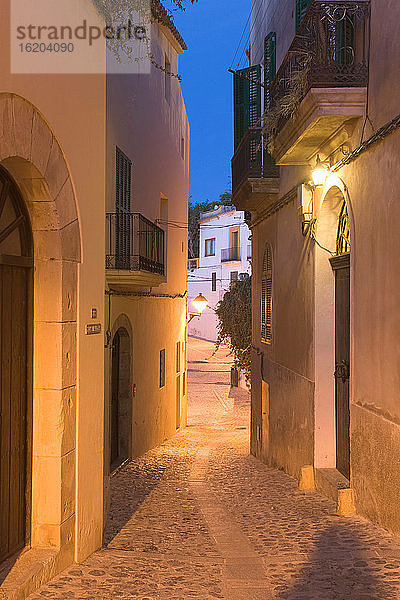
161,15
218,210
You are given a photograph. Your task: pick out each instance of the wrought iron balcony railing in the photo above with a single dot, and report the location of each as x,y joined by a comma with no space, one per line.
133,243
230,254
251,159
329,50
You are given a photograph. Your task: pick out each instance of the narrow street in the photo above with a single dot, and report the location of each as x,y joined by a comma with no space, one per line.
200,518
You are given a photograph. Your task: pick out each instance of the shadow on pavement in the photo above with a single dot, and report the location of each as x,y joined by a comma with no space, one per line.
341,568
129,489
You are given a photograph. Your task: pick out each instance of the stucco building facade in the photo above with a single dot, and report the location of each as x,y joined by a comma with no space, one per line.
325,275
224,257
146,250
59,175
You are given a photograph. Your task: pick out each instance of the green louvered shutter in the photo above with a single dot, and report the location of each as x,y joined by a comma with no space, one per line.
247,101
345,40
301,9
269,65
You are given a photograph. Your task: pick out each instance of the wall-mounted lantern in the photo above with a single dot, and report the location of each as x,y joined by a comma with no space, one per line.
320,172
200,303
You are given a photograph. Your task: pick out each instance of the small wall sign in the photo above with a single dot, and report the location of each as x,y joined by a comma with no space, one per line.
93,328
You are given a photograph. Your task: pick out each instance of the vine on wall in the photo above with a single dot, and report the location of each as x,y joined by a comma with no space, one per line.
117,12
234,328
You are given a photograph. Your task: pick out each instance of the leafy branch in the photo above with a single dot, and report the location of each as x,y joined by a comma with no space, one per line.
234,328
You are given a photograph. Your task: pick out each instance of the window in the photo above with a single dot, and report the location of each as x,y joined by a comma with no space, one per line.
162,368
178,357
301,9
123,170
266,297
234,276
247,101
210,247
213,282
167,78
234,243
183,148
123,176
269,65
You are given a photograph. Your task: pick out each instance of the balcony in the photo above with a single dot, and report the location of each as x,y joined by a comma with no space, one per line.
320,91
134,251
254,174
193,263
230,254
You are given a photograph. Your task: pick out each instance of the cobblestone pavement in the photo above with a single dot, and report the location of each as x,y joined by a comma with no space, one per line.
198,518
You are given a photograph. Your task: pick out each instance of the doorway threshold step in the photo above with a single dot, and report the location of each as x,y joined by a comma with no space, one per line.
334,485
21,575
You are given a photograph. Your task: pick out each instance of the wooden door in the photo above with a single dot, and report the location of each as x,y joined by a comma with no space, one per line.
341,267
178,402
15,329
115,400
265,419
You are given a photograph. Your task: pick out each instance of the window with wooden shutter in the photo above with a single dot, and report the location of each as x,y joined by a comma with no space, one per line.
247,101
266,297
123,173
269,65
301,9
344,40
162,368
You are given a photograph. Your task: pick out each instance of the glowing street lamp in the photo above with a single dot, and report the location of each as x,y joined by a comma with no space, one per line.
320,173
200,304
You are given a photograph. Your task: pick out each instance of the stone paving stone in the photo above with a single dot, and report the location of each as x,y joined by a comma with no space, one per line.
198,518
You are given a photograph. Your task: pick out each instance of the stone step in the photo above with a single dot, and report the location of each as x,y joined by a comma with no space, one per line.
332,484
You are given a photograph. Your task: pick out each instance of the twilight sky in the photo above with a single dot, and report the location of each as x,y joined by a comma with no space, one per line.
211,30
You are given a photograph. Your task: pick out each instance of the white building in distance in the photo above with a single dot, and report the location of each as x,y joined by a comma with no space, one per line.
224,256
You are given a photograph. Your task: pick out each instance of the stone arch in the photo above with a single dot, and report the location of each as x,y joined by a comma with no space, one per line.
31,154
121,396
327,210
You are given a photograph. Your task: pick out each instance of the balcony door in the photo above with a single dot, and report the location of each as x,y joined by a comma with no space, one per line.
16,311
234,243
123,209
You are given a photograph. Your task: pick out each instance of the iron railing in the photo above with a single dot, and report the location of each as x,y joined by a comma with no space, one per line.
230,254
329,50
133,243
251,159
193,263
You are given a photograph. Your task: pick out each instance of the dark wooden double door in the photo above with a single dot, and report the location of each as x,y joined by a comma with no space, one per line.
14,291
15,372
341,267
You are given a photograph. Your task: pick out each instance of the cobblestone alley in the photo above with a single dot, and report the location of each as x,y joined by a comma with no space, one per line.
200,518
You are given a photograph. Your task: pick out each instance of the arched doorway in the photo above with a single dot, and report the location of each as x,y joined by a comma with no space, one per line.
332,331
16,316
340,264
121,399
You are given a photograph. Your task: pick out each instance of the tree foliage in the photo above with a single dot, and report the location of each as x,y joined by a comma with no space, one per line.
234,328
